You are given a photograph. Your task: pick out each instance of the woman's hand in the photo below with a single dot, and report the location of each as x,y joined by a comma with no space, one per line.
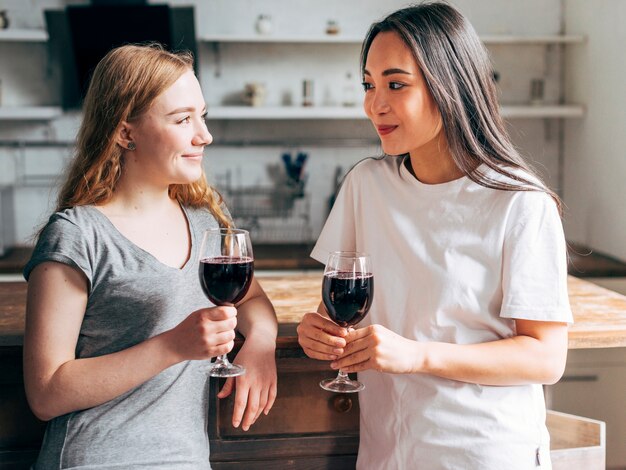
320,337
204,334
375,347
255,391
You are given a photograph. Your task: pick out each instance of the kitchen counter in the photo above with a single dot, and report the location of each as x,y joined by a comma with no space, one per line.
599,314
582,261
308,427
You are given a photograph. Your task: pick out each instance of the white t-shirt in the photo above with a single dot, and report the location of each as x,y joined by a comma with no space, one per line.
457,263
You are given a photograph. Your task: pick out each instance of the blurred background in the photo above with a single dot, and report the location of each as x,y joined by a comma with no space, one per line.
282,85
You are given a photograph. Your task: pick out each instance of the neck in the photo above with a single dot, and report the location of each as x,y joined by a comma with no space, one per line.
432,163
136,196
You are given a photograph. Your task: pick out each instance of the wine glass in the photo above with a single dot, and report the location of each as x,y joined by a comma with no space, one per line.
225,269
347,292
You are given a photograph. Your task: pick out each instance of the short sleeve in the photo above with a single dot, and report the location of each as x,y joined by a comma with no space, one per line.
339,232
534,278
62,241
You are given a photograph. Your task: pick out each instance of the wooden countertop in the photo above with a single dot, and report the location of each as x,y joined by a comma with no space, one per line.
599,314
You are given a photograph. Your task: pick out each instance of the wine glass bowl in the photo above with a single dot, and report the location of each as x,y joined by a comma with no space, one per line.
226,268
347,293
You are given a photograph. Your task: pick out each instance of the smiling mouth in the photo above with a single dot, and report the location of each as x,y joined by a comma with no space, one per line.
385,130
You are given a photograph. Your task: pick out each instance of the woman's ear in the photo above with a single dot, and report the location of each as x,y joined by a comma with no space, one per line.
124,137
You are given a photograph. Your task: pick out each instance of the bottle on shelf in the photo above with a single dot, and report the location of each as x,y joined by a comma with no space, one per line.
348,96
4,19
307,93
264,24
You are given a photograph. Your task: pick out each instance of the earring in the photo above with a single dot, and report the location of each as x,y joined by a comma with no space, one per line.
131,146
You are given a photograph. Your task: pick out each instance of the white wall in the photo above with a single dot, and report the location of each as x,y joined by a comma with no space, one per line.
595,148
26,79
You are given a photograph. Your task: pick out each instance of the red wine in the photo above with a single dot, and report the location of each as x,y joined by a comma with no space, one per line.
226,280
347,296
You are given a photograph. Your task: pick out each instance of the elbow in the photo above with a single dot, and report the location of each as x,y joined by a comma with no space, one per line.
41,405
553,372
41,409
554,376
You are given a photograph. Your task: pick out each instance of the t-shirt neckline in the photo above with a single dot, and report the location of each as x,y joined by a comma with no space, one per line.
439,188
146,254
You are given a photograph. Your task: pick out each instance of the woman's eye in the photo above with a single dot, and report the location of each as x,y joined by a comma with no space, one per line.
204,117
395,85
367,86
185,120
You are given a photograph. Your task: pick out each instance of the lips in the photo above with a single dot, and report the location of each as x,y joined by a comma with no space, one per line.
385,130
193,155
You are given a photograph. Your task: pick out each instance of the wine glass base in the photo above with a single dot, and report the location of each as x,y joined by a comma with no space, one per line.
226,370
342,386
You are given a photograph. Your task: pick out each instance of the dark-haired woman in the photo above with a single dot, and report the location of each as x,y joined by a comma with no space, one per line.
471,307
118,330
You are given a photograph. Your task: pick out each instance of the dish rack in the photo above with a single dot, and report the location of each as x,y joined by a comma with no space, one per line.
272,214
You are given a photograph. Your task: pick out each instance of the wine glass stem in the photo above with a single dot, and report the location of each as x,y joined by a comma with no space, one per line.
342,376
221,360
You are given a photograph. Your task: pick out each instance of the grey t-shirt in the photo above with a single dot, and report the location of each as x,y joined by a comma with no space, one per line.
162,423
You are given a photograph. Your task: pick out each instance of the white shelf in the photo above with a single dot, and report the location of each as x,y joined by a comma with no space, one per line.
23,35
40,35
285,112
356,112
331,38
43,113
341,39
29,113
545,39
542,111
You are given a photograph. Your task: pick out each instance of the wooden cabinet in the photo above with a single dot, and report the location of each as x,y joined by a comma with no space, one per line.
20,432
307,428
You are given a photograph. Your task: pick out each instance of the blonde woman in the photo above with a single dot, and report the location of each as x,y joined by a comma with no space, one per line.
117,326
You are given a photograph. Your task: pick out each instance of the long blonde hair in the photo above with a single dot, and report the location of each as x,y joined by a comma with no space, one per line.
123,86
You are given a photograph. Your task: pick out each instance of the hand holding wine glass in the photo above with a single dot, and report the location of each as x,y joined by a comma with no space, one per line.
226,268
347,293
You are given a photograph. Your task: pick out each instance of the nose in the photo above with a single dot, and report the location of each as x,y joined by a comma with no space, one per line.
376,103
202,136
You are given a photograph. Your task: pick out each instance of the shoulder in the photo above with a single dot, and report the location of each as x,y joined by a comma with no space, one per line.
201,218
77,218
512,176
374,168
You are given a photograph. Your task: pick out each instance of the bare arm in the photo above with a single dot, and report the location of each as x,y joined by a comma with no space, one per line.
257,388
256,316
537,354
58,383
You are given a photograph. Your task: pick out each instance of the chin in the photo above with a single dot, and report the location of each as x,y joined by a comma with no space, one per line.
394,150
189,177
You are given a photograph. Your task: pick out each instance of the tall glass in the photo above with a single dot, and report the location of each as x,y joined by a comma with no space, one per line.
225,270
347,292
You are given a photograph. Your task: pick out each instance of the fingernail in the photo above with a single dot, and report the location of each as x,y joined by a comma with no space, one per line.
236,424
338,350
333,357
333,365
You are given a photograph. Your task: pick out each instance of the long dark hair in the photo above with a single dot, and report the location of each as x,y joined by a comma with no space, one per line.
459,76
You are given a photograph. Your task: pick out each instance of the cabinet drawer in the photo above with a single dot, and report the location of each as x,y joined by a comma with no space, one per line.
307,427
576,443
301,407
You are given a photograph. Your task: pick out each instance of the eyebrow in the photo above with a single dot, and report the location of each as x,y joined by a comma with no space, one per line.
389,72
184,110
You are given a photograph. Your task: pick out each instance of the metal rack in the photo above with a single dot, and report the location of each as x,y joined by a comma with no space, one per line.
273,214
